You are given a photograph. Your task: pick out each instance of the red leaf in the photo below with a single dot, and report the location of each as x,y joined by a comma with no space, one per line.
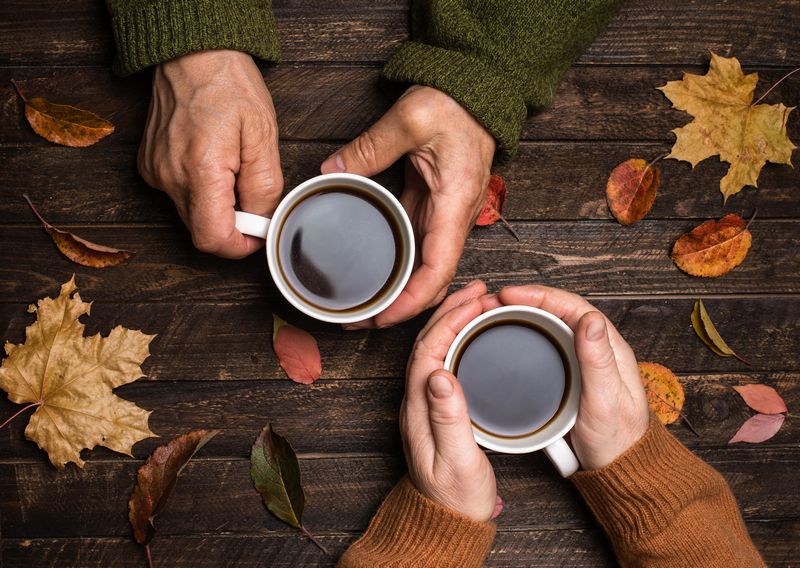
762,398
493,206
759,428
297,352
498,507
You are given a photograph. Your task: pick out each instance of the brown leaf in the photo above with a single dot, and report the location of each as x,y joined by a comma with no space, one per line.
64,124
275,472
762,398
156,479
631,189
758,428
493,206
665,394
297,352
708,334
79,250
713,248
69,378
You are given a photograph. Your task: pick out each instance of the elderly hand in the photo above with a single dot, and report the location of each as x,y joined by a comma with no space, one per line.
212,127
444,462
447,172
613,411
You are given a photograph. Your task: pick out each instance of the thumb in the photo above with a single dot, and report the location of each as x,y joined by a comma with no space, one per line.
447,407
374,150
599,372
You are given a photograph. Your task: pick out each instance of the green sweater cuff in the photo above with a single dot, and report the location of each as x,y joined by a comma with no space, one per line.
151,32
492,99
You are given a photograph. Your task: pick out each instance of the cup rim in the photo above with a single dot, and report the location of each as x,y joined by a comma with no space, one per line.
568,414
406,231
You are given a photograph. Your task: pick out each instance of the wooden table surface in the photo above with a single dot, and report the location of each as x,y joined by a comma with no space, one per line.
212,364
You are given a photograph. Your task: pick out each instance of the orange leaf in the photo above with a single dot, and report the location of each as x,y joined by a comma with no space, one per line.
80,250
64,124
713,248
758,428
665,394
631,190
762,398
493,206
297,352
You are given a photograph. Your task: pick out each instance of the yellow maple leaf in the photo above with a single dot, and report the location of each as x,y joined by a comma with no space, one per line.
726,122
70,379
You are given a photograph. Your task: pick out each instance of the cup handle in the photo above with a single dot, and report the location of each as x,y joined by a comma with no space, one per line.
253,225
562,457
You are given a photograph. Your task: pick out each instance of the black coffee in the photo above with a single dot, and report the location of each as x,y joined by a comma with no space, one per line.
514,376
339,248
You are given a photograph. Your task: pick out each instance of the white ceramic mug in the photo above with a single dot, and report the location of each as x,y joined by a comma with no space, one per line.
550,437
269,229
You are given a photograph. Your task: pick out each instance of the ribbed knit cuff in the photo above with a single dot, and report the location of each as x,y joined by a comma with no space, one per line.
148,33
411,531
492,99
641,492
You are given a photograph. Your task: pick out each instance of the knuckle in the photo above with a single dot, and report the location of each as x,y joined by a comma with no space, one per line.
365,148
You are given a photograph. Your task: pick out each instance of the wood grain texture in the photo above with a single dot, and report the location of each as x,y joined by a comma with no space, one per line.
777,541
233,341
759,31
589,257
339,102
342,494
360,416
547,181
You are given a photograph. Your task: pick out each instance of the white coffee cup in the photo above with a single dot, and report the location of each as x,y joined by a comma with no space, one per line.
269,229
550,437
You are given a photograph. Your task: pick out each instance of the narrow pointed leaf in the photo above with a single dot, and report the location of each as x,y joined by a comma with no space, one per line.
297,351
708,334
275,472
156,480
759,428
762,398
81,251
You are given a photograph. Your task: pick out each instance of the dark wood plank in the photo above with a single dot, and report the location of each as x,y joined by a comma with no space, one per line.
233,341
339,102
547,181
341,495
590,257
778,542
763,31
360,416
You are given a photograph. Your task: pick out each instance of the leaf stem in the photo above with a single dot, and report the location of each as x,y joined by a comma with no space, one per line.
149,556
19,91
680,413
789,74
35,211
507,224
20,411
313,539
742,359
652,163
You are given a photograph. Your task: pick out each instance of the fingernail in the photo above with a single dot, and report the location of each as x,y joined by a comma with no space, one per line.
473,283
596,329
334,164
440,386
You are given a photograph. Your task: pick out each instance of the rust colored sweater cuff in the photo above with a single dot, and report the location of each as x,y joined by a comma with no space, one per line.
411,531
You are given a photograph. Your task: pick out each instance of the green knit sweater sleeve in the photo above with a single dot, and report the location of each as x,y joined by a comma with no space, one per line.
148,32
498,58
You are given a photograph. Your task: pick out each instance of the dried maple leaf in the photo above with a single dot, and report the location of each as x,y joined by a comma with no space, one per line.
297,352
80,250
69,378
156,479
491,212
631,189
758,428
762,398
708,334
665,394
64,124
275,472
727,123
713,248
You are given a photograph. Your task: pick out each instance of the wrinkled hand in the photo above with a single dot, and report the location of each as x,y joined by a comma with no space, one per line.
444,462
447,172
613,411
212,127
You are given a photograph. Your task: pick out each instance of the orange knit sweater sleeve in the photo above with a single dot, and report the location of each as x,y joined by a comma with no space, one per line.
662,506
